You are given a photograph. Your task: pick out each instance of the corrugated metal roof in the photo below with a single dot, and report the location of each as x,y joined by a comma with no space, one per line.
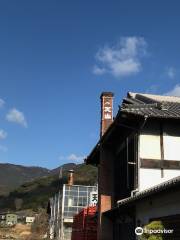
150,191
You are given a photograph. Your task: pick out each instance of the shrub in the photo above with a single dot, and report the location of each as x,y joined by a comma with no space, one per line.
154,225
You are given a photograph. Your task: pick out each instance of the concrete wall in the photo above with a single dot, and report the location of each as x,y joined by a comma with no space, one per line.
150,149
161,206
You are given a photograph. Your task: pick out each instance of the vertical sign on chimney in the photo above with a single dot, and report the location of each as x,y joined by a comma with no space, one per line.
106,111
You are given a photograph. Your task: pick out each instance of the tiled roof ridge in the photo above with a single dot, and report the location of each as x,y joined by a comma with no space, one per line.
153,97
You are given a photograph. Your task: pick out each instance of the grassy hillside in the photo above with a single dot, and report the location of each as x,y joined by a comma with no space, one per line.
12,176
35,194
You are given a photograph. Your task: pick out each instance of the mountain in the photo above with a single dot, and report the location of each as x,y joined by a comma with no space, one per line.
35,194
64,167
12,176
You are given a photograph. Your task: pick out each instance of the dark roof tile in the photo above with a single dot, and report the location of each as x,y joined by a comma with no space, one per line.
151,105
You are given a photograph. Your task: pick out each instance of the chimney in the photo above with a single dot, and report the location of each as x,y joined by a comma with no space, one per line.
71,177
106,111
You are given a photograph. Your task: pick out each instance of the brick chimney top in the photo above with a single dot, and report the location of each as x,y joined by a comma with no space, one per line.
71,177
106,111
106,94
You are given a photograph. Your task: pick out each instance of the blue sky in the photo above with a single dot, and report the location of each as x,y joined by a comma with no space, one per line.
56,57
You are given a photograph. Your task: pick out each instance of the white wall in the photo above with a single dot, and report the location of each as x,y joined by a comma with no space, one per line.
149,144
161,206
30,219
171,139
151,177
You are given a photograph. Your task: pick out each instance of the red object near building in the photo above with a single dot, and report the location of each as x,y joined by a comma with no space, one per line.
85,225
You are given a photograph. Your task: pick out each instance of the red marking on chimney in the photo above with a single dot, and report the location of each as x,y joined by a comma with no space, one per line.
106,111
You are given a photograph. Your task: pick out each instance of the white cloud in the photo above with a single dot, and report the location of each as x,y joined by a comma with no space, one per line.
16,116
122,59
171,72
3,134
98,71
2,102
3,148
73,158
61,158
175,91
153,89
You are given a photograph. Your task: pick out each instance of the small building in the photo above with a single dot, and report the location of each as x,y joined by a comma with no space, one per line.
11,219
138,159
65,204
30,220
2,218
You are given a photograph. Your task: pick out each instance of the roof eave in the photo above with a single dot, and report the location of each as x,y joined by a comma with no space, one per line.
93,157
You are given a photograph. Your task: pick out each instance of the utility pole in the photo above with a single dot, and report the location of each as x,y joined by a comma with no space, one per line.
61,173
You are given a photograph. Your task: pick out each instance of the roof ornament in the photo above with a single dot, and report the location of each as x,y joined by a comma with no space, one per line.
163,106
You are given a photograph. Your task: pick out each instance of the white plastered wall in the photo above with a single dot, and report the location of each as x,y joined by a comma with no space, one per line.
155,207
150,149
171,139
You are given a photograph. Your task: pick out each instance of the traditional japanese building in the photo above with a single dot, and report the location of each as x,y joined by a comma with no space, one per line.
138,159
